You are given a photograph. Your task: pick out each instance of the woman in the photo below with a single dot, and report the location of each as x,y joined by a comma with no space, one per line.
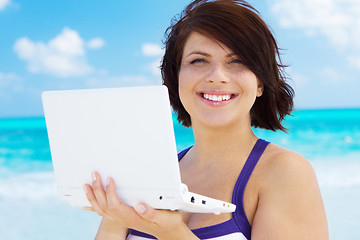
223,76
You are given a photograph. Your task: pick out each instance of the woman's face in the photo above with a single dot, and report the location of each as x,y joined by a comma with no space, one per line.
215,88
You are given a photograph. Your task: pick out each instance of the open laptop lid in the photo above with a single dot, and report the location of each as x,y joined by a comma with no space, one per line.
110,126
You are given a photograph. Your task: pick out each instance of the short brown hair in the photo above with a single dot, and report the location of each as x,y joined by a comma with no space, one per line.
237,25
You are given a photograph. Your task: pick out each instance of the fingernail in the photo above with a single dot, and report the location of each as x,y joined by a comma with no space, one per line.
139,208
85,189
93,176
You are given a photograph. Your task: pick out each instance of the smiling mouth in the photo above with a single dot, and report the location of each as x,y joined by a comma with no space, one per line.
217,97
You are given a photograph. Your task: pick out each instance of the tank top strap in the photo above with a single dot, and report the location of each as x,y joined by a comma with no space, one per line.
183,152
238,193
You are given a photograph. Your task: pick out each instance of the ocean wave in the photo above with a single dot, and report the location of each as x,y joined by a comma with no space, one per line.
333,173
28,186
342,172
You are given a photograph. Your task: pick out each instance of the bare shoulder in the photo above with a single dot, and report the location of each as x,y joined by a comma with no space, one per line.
281,165
290,204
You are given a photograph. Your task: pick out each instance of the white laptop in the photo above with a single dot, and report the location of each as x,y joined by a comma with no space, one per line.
126,133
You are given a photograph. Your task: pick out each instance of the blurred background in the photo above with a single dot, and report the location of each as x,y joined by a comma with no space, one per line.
67,44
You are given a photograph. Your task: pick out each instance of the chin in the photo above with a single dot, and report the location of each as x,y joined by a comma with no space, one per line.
218,123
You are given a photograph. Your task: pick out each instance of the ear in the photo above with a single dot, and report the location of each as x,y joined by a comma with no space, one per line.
260,89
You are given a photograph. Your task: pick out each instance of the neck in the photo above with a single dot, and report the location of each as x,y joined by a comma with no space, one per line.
223,144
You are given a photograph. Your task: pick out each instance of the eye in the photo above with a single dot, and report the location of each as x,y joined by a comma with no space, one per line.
198,60
236,61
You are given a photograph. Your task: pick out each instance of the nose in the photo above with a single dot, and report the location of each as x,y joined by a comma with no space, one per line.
217,74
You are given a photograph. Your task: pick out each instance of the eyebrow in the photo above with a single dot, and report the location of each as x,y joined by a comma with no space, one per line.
208,55
198,52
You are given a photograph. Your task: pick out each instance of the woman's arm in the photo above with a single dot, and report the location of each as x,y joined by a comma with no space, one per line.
290,204
111,230
162,224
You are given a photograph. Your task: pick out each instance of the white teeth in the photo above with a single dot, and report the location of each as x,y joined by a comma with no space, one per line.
216,98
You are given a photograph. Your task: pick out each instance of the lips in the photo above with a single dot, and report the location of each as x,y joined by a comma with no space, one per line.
217,97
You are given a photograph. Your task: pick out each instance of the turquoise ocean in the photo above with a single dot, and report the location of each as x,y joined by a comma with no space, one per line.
30,208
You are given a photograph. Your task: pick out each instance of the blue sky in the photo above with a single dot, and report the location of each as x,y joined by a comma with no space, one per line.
71,44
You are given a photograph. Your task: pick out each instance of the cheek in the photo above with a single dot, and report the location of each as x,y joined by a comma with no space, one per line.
252,83
185,89
182,86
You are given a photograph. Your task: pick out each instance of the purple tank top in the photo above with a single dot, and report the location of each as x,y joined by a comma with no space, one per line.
238,227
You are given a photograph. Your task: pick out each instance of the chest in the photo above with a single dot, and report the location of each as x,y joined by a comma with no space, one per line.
219,183
215,183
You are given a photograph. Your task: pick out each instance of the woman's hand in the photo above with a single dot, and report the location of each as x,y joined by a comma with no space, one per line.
162,224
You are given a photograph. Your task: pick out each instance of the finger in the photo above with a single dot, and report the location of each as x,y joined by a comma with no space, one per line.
164,219
146,212
88,209
124,213
99,190
92,199
111,196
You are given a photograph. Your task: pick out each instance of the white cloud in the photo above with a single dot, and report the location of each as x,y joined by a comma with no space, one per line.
122,81
331,77
152,50
355,61
325,87
3,4
7,76
337,20
62,56
155,67
10,83
96,43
